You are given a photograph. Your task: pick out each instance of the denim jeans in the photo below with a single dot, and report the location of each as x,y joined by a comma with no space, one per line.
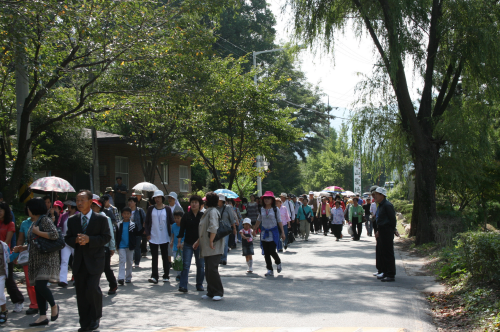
369,225
187,255
223,258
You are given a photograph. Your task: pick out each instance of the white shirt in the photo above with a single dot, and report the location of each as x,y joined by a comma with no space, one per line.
290,207
159,228
373,208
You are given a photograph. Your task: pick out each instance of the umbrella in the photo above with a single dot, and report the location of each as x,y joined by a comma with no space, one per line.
226,192
145,186
334,188
52,183
348,193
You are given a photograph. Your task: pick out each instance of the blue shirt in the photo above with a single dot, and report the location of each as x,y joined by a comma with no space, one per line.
25,227
176,229
124,239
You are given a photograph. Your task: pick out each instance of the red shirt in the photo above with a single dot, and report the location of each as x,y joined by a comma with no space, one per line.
4,229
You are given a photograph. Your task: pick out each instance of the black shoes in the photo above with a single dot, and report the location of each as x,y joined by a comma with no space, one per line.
53,318
388,279
121,282
94,325
62,284
112,291
43,322
200,289
31,311
183,290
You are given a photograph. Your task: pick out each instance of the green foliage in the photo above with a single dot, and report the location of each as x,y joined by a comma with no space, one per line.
402,206
399,192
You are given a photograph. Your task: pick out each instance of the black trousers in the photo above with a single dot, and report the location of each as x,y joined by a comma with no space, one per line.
43,295
386,248
270,250
311,225
295,227
317,223
144,244
110,276
88,296
337,230
164,258
232,241
377,256
119,206
324,222
357,227
214,283
15,295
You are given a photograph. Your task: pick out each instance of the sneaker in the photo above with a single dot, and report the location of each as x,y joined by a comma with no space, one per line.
121,281
200,289
376,274
112,291
3,317
178,278
269,273
278,268
153,280
216,298
128,281
380,276
18,307
206,297
136,266
166,279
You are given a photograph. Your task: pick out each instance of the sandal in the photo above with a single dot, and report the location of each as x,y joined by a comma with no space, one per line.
3,317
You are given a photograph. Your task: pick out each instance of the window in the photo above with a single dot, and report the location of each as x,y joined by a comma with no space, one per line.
121,169
184,179
164,173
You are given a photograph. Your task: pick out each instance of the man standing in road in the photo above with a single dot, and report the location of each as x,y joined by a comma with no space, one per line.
87,233
120,193
386,228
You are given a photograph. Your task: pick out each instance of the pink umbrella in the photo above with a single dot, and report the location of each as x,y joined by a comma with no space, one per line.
333,188
52,183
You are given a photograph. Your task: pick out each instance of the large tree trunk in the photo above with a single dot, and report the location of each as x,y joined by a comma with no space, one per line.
424,205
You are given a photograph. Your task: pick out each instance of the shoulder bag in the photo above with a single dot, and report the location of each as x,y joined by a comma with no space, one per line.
224,227
309,219
46,246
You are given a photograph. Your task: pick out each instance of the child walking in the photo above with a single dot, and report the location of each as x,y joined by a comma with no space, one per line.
126,237
247,243
175,231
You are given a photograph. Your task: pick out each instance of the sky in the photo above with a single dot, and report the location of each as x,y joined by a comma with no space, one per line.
337,72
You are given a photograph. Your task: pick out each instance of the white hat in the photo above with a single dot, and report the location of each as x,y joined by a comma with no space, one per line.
137,193
247,221
381,190
284,194
222,197
94,196
311,193
172,194
158,193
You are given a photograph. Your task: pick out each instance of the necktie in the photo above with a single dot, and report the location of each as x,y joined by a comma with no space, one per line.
85,223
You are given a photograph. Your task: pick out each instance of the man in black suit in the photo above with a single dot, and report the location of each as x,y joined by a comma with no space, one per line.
88,233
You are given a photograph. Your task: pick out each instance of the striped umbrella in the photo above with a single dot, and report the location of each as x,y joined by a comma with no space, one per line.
52,183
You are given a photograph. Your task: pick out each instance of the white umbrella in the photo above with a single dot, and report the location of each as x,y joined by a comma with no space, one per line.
348,193
145,186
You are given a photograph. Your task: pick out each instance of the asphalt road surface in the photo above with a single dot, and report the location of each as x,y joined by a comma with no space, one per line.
324,286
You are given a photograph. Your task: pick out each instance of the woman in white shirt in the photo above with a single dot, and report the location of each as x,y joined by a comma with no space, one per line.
159,220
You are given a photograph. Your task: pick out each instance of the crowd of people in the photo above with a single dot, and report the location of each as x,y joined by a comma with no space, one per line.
95,228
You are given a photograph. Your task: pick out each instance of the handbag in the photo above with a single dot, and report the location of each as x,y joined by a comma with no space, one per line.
224,227
46,246
23,258
349,230
178,265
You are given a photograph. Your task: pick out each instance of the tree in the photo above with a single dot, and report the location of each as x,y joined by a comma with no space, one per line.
233,121
459,36
86,57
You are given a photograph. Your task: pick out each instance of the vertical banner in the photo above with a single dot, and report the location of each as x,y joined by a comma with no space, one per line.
357,172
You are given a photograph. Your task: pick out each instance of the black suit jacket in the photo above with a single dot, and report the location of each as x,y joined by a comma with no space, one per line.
91,254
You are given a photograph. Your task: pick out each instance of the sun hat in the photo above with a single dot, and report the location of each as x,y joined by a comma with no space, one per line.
247,221
96,202
373,188
311,193
277,199
237,199
172,194
70,203
381,190
222,197
269,194
137,193
281,195
59,203
158,193
94,196
109,189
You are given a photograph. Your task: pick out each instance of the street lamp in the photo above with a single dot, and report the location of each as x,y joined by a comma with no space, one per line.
261,159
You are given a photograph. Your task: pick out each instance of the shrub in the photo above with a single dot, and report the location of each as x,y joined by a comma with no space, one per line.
404,207
480,254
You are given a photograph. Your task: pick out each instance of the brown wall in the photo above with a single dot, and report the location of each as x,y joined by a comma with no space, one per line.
108,151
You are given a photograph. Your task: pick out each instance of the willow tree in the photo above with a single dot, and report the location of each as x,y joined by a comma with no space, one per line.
442,41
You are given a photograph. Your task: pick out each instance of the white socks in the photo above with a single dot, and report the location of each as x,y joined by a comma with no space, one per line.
249,264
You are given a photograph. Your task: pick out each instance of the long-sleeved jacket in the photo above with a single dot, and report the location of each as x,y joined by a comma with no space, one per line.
386,216
149,220
111,243
131,235
328,210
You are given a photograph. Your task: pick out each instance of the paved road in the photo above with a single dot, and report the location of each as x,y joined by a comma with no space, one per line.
324,286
